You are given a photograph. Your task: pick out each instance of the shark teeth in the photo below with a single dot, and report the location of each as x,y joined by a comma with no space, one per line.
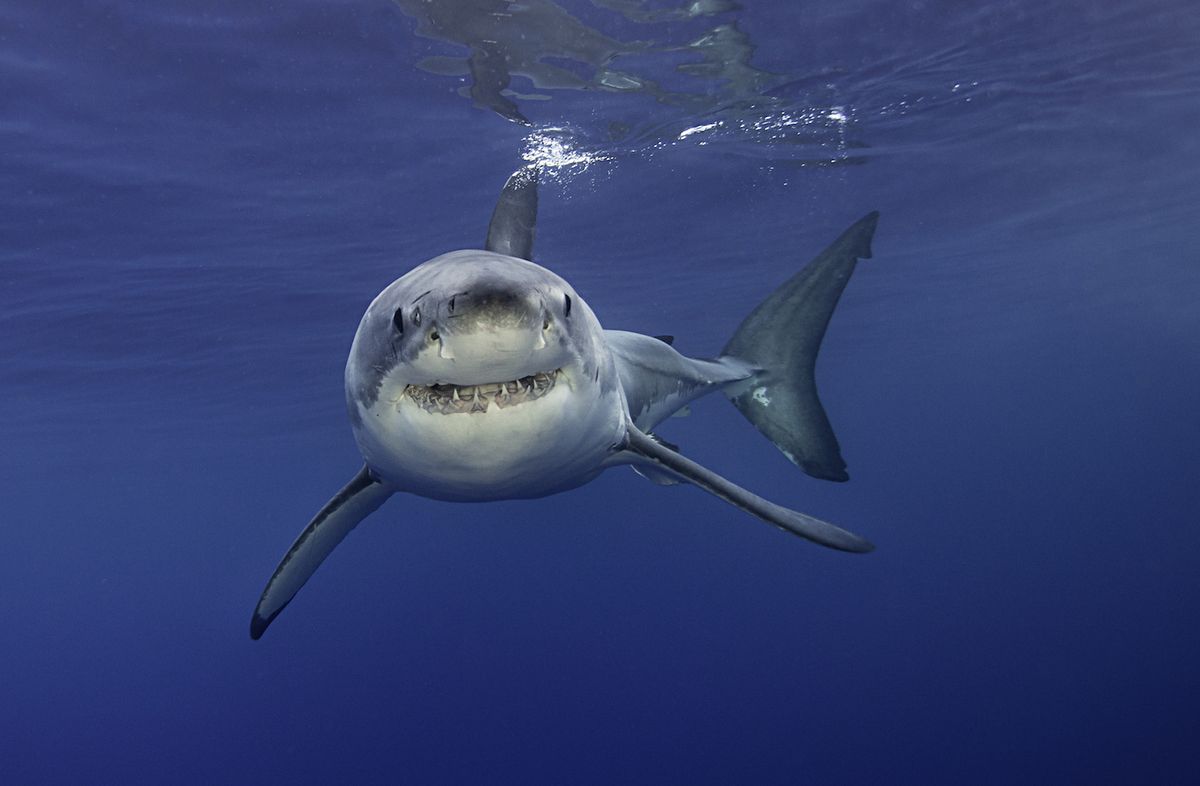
453,399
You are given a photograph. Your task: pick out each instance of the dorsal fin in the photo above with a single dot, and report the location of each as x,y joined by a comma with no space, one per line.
668,340
514,220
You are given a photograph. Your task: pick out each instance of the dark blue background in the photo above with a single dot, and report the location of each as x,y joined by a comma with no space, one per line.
199,200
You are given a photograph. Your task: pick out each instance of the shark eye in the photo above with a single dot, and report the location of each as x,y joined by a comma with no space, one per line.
416,316
434,336
398,320
566,305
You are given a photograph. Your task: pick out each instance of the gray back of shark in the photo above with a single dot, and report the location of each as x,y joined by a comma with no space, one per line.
480,375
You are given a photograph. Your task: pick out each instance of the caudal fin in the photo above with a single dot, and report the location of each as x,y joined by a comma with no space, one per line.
782,337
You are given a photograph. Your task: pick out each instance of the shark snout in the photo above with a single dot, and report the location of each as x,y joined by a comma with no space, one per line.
493,307
489,324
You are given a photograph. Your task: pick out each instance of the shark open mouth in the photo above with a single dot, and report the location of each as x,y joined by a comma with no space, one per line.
451,399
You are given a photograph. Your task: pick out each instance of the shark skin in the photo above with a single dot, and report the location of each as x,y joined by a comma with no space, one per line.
480,375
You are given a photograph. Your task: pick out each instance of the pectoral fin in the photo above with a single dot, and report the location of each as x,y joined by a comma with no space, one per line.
361,497
646,450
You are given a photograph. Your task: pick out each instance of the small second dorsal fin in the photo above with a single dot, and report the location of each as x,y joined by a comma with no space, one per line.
514,221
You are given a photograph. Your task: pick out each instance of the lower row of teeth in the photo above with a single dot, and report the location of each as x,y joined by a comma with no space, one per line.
447,399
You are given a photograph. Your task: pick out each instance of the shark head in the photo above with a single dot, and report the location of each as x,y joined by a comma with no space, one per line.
478,375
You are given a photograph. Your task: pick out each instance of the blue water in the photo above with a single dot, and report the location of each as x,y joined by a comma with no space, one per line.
198,200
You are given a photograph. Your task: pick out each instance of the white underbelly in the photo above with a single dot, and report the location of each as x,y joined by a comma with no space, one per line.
532,449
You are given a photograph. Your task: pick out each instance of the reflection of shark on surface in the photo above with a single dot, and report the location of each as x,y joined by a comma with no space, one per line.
547,45
480,375
692,60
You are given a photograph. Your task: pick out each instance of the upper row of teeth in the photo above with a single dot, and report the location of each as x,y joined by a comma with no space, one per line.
539,381
475,398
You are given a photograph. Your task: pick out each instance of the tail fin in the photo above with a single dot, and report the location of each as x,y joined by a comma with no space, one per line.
782,337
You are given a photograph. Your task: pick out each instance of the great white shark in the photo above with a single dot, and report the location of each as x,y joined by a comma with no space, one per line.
480,375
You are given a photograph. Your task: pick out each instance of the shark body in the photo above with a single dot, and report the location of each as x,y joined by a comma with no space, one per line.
480,375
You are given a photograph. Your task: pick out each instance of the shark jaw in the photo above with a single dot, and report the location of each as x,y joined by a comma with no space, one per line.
474,442
449,399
